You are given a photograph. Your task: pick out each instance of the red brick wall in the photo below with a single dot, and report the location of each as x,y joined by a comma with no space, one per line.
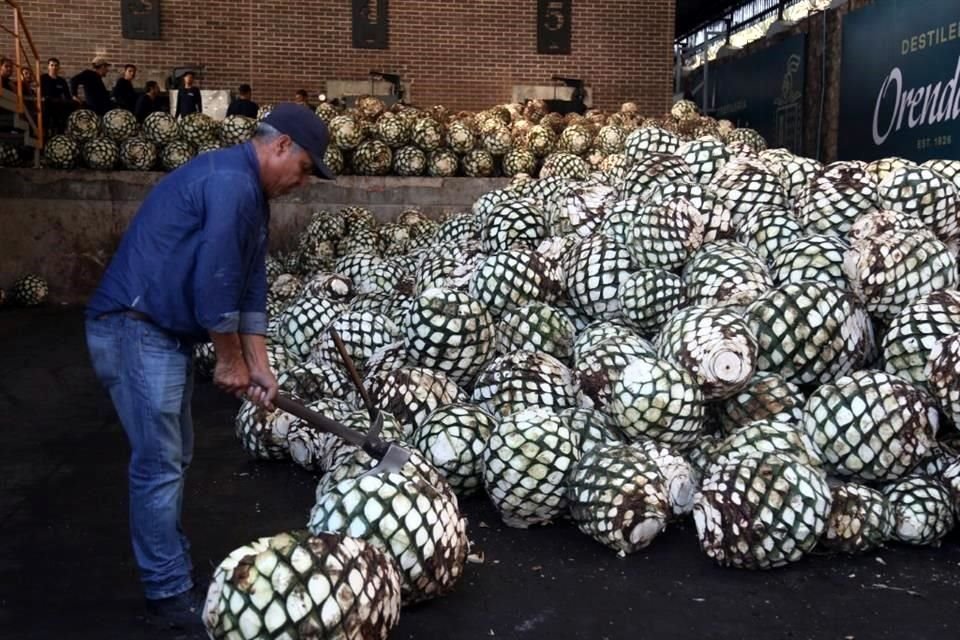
465,54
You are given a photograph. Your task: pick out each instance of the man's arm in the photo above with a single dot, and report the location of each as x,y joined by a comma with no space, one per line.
120,92
253,302
75,83
253,329
140,110
231,373
223,258
199,102
263,384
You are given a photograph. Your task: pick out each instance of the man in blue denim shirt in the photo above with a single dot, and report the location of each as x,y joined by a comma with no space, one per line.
191,267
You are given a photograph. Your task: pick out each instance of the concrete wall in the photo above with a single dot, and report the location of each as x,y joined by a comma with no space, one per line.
65,225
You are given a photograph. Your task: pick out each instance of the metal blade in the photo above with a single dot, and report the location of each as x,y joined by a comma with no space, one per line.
391,462
392,456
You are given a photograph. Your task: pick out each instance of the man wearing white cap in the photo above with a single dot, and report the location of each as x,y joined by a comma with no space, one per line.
95,93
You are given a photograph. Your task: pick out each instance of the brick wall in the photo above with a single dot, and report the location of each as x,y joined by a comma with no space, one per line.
464,54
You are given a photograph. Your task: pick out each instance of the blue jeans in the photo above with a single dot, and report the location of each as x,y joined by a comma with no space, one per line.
149,374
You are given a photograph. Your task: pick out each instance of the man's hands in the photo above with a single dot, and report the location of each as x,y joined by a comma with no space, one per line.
231,372
232,376
242,368
263,384
263,388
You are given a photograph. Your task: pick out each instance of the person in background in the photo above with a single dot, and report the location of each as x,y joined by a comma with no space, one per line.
147,103
302,98
123,94
58,102
52,84
6,74
29,91
242,105
26,79
95,94
188,98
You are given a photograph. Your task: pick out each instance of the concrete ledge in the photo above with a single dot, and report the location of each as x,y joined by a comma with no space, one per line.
65,225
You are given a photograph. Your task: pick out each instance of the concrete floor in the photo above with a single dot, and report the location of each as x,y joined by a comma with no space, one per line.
66,569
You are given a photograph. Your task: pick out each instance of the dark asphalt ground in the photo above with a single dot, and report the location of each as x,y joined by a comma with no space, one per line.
66,568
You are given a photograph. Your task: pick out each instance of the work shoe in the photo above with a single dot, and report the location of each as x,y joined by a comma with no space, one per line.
181,612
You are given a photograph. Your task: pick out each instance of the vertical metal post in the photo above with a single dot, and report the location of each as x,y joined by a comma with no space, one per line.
677,66
706,80
709,36
39,96
16,45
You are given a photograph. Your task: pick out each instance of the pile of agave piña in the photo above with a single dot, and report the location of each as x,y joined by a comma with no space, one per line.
29,290
371,140
709,329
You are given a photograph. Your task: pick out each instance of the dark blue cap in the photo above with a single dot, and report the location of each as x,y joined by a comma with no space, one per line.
306,129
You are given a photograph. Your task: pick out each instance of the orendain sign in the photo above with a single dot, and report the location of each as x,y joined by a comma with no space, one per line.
900,81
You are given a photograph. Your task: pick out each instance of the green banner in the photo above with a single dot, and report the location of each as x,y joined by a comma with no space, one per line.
899,93
762,90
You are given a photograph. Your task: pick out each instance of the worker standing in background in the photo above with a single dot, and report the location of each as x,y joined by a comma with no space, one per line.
26,81
123,94
302,98
29,88
147,103
243,105
95,94
188,98
58,102
6,74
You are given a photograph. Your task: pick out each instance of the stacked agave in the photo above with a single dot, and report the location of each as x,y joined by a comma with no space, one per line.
709,328
9,155
61,152
761,511
505,140
299,585
526,462
624,495
411,514
29,290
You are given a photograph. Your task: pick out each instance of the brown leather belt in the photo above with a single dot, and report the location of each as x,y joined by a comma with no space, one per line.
130,313
136,315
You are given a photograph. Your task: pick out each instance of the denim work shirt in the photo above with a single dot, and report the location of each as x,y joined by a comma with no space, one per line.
193,258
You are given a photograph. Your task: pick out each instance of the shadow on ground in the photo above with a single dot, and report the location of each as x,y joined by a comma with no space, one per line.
66,568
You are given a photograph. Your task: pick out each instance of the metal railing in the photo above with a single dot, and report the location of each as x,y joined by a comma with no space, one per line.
737,19
24,51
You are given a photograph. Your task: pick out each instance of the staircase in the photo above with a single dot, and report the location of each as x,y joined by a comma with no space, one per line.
18,126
